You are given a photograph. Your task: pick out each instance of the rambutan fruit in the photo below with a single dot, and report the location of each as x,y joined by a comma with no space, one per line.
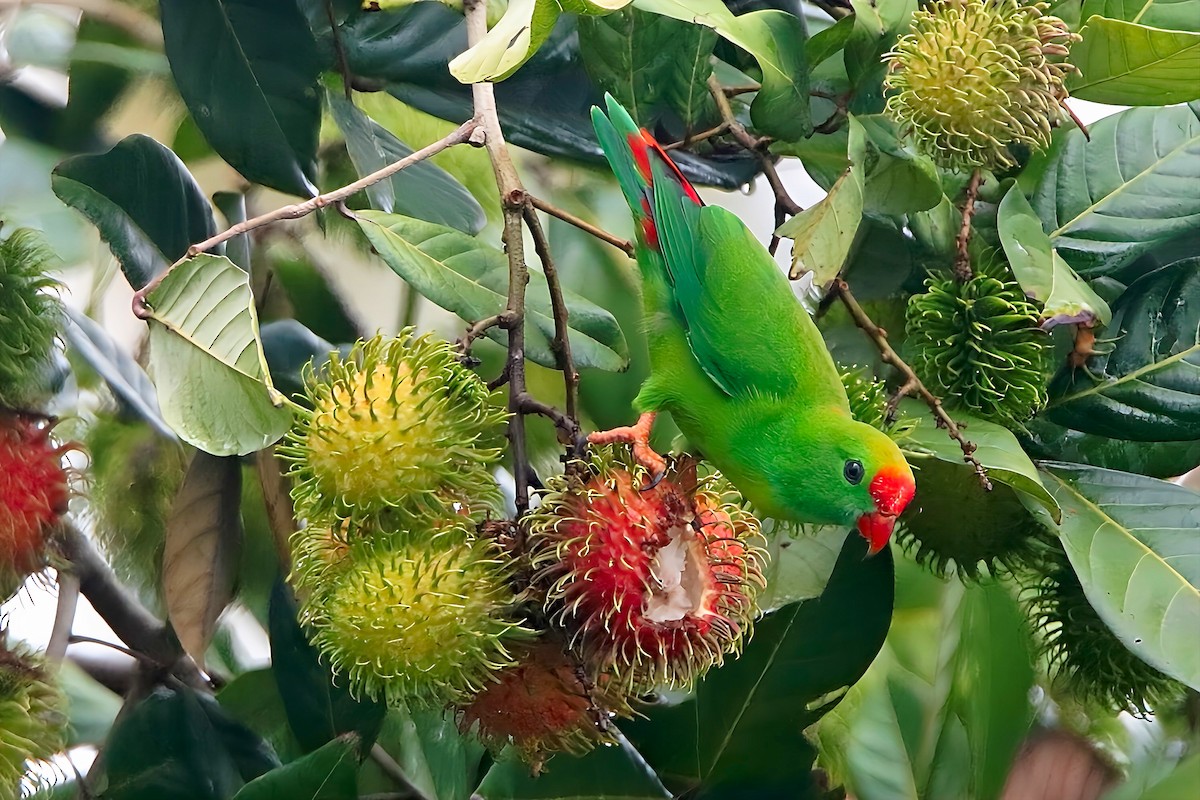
424,616
34,491
653,586
543,704
398,424
972,77
1085,656
30,319
867,395
33,716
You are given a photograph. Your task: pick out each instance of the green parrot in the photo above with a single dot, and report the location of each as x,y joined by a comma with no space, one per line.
737,361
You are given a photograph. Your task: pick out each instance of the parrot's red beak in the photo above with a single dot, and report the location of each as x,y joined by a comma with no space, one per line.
892,488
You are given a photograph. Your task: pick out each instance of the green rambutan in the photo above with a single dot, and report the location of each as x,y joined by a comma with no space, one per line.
978,344
653,586
867,395
423,616
972,77
34,493
30,320
1085,656
33,718
544,704
398,424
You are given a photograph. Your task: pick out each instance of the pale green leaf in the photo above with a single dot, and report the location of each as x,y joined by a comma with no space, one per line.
510,43
207,363
822,234
799,566
1176,15
1132,541
1123,63
1040,270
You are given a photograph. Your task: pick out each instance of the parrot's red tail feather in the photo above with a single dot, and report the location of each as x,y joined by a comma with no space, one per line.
642,145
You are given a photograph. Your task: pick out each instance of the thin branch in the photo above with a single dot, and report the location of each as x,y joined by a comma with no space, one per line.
513,200
1075,118
756,145
567,425
833,8
583,225
561,345
139,25
395,772
699,137
64,616
467,132
339,51
962,261
144,633
880,338
480,328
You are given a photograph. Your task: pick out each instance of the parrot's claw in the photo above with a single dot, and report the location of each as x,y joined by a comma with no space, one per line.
639,436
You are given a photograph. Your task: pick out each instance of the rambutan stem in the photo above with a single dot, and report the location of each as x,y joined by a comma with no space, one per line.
962,261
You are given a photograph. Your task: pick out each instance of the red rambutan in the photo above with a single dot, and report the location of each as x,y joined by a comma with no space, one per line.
652,586
33,494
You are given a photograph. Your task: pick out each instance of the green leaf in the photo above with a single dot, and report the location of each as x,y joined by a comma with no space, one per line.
1044,439
91,707
896,178
741,733
311,296
1106,201
800,566
1178,15
651,64
252,698
1145,384
996,448
509,44
823,44
1179,785
439,760
470,279
318,709
606,773
142,199
201,549
1127,64
822,234
247,70
1131,540
1040,270
824,155
287,347
207,362
776,41
329,773
423,190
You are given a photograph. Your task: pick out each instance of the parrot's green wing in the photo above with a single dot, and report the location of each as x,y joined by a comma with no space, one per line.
745,327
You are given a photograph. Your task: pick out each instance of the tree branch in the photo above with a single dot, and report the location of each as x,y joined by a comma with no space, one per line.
962,261
467,132
583,225
911,382
137,24
64,616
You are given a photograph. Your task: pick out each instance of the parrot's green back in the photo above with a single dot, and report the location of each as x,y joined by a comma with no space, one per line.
735,358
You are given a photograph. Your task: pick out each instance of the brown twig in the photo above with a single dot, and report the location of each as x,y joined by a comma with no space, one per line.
583,225
756,145
962,261
479,329
567,425
468,131
1075,118
889,356
339,51
561,345
699,137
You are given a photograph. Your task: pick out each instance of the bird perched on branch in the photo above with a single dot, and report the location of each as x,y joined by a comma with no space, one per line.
737,361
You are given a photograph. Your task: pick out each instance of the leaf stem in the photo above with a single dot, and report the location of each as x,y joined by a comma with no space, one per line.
583,225
879,336
962,261
467,132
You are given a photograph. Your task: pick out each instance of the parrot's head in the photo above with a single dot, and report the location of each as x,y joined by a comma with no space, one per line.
883,484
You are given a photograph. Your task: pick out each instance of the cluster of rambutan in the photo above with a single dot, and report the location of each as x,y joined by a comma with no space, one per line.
34,490
535,633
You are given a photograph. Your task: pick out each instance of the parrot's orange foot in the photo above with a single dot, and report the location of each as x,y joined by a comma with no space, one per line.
639,436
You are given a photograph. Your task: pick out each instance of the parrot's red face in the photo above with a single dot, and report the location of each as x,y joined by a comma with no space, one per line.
892,488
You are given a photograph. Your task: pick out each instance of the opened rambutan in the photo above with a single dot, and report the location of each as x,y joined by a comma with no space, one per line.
32,715
543,704
653,586
30,317
973,77
398,424
34,491
423,616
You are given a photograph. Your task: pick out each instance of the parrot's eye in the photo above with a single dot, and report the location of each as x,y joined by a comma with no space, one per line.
853,471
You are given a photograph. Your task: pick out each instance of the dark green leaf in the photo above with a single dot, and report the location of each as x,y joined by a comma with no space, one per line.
651,63
252,698
318,709
465,276
743,729
1178,15
1132,542
1145,384
288,346
1107,200
423,190
896,179
247,70
822,154
143,200
606,773
1126,64
1044,439
439,760
311,297
328,773
824,44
